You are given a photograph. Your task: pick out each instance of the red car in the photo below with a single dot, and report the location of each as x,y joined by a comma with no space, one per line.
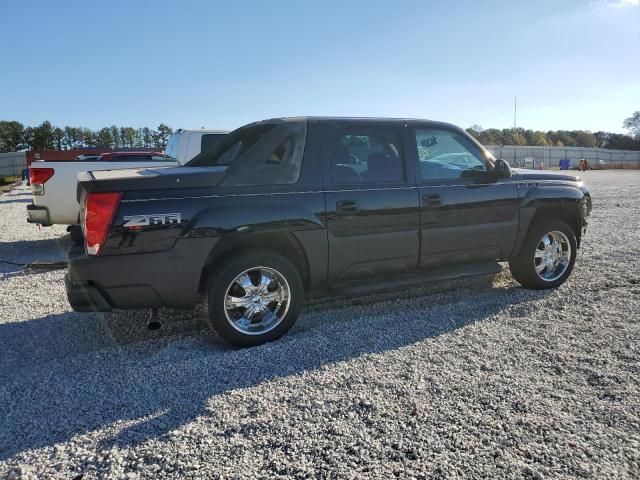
130,156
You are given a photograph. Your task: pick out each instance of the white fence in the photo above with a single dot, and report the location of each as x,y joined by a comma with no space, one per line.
551,156
12,164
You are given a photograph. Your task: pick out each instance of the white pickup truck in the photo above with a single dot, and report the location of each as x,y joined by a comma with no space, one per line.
54,183
183,145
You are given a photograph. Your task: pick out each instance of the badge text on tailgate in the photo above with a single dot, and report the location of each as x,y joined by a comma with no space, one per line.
139,221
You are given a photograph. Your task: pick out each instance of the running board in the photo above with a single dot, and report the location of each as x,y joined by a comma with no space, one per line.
416,279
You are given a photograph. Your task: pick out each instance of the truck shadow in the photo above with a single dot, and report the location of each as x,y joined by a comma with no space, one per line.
28,251
96,378
15,200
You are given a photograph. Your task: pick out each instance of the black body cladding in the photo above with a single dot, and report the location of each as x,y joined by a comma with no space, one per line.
338,217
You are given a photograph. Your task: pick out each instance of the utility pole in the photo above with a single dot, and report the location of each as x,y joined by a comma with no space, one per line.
515,108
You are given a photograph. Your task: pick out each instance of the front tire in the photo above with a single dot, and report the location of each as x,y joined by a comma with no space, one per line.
254,298
547,255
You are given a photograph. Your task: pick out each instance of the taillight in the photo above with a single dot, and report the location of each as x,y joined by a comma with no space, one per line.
38,177
99,211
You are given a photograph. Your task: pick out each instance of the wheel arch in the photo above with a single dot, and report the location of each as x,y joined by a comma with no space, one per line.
568,212
285,244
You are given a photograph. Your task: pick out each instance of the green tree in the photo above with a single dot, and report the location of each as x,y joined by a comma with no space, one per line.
584,139
602,139
617,141
71,137
87,137
633,124
147,137
104,138
115,135
161,136
127,137
43,136
519,139
491,136
539,139
11,136
58,138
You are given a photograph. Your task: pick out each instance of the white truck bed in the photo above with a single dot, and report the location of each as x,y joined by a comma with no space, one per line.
58,203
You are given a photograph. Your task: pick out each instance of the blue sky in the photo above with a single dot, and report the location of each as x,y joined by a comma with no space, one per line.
573,64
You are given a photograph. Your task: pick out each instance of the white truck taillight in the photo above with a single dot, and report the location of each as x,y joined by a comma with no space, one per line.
38,177
100,210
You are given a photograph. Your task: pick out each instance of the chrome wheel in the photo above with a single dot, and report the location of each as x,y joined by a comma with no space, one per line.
552,256
257,300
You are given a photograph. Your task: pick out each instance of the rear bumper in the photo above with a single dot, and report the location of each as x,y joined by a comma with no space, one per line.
37,214
158,279
84,297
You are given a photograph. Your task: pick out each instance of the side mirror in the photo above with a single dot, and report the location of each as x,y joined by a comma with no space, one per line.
502,169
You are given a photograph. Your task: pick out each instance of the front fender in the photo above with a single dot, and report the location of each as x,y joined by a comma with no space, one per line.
560,200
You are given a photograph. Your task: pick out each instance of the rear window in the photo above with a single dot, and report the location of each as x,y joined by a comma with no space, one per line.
210,140
267,154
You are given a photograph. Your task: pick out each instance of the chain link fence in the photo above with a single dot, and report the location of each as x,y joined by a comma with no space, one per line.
12,164
537,157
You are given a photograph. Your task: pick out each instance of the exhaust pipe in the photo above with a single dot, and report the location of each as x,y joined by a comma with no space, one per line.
153,323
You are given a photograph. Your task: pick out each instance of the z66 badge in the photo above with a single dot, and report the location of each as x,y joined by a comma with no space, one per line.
135,222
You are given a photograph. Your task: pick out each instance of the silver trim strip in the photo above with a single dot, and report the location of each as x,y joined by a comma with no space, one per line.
268,194
553,181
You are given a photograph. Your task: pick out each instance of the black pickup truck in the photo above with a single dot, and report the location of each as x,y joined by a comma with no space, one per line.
287,206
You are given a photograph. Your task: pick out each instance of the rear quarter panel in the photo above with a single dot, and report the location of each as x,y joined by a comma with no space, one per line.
213,215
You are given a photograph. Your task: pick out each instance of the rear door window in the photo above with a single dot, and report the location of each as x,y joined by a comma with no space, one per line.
364,155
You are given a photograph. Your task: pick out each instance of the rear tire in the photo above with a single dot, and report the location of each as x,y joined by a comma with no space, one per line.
253,298
547,255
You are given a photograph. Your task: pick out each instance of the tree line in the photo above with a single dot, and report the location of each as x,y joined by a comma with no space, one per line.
562,138
554,138
14,136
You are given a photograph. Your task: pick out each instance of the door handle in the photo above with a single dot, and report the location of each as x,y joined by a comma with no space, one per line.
432,200
347,206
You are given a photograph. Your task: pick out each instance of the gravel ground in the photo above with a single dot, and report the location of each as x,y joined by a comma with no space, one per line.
467,379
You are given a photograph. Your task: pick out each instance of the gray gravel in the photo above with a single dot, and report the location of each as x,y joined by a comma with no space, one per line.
467,379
